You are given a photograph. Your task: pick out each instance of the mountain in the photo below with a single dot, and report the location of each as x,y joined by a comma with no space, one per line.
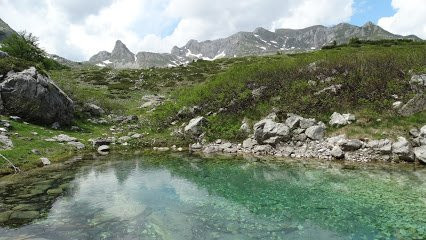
5,30
259,42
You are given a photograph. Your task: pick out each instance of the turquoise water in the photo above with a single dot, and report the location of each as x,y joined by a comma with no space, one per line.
188,197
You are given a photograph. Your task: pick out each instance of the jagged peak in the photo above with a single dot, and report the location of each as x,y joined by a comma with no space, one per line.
369,24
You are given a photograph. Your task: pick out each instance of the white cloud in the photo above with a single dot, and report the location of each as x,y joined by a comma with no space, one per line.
77,29
410,18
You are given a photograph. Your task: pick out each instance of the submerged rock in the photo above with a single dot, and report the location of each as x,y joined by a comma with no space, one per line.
34,97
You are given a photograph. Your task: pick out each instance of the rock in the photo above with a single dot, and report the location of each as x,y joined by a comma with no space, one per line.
397,105
195,126
423,131
245,126
35,151
77,145
152,101
5,142
103,150
3,54
306,123
268,129
56,126
418,83
337,153
102,141
64,138
414,132
15,118
415,105
258,92
45,161
124,139
315,132
420,153
196,146
293,121
383,146
403,149
332,89
249,143
20,215
338,119
34,97
352,145
94,110
262,149
136,136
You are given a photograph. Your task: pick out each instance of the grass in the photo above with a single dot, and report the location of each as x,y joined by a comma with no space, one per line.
369,74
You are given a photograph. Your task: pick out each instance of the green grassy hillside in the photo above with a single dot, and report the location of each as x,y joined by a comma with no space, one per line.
369,74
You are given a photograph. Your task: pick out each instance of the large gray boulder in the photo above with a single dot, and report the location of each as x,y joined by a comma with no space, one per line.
315,132
35,98
403,149
270,132
418,102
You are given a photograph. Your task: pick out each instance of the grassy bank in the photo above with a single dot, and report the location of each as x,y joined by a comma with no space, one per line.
371,77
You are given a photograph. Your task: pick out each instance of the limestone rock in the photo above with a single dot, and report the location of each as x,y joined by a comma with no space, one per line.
249,143
352,145
194,127
269,129
35,98
45,161
315,132
5,142
94,110
403,149
337,153
420,153
103,150
338,119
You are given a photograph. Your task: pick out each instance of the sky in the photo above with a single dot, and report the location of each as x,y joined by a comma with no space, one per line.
78,29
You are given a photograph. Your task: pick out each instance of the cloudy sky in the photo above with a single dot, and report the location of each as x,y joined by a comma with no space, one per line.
77,29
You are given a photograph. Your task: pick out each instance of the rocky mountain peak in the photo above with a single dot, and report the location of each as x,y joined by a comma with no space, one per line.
121,53
5,30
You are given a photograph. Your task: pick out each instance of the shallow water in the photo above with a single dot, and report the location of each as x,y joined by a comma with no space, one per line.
188,197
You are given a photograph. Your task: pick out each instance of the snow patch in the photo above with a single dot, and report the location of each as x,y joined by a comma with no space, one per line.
190,54
101,65
107,61
274,42
264,48
313,48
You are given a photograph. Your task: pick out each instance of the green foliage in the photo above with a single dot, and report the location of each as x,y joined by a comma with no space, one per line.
24,46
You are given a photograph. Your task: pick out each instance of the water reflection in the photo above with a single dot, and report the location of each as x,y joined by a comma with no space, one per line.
182,197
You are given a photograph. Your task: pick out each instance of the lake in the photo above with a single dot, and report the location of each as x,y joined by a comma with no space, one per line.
178,196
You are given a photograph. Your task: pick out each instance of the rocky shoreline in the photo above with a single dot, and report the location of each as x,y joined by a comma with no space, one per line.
300,137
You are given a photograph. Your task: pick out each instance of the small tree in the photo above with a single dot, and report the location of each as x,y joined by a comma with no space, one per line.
23,45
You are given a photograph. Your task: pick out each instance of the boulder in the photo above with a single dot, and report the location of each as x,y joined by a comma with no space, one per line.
352,145
415,105
418,83
337,153
195,126
315,132
402,148
64,138
45,161
3,54
5,142
245,126
293,121
383,146
34,97
249,143
103,150
423,131
338,119
152,101
306,123
77,145
94,110
270,131
420,153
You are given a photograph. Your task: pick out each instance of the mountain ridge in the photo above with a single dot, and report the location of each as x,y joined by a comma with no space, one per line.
259,42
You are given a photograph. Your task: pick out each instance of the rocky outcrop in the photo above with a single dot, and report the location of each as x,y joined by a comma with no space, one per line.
35,98
302,137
